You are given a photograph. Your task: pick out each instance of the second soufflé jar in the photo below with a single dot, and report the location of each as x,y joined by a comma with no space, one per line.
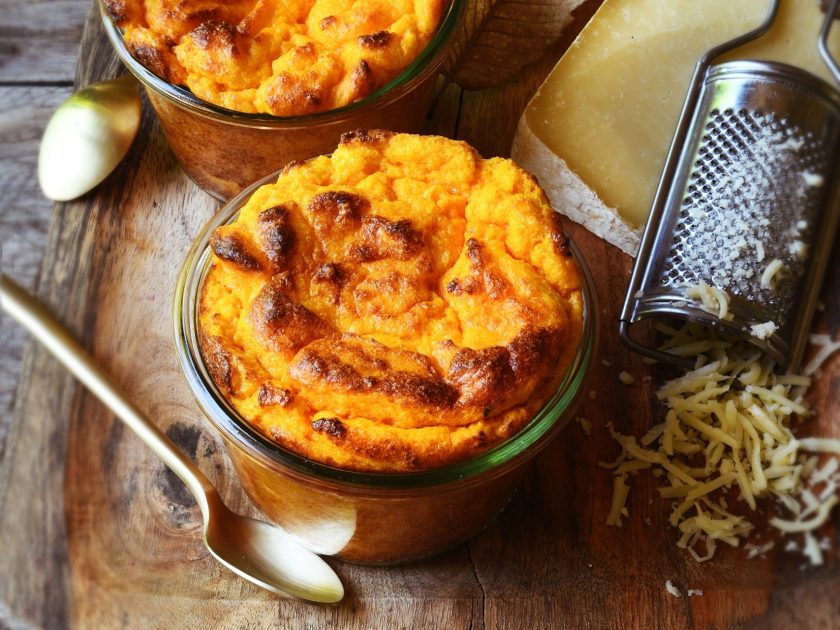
224,150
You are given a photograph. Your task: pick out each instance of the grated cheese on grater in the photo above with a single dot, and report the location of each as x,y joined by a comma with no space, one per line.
775,267
812,179
727,433
732,228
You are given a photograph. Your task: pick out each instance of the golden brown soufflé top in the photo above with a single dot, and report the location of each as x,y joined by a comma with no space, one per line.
286,58
401,305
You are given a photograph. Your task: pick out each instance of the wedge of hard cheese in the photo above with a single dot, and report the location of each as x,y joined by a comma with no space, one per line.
597,131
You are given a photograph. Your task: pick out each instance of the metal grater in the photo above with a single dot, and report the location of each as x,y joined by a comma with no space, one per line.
750,179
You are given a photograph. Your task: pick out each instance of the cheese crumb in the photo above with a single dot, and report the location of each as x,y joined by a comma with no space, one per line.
584,424
812,179
798,249
673,590
626,378
763,331
758,550
694,592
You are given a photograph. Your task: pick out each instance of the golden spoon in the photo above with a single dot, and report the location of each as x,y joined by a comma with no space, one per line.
257,551
87,136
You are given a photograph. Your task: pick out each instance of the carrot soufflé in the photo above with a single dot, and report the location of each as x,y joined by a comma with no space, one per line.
402,304
288,58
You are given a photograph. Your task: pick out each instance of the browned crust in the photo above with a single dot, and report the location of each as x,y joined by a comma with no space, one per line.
533,350
331,426
291,96
231,247
337,208
482,279
218,362
479,375
559,237
381,238
217,36
492,377
270,395
277,235
329,279
331,272
192,18
377,40
355,368
281,324
362,81
488,379
152,58
117,10
365,136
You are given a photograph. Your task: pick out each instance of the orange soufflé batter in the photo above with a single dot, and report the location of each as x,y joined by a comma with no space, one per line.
400,305
286,58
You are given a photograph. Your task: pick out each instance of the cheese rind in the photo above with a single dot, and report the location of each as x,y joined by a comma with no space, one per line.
569,195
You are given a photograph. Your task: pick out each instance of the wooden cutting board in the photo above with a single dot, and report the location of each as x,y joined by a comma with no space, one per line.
96,533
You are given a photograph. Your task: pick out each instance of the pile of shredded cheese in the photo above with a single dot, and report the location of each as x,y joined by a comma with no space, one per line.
727,437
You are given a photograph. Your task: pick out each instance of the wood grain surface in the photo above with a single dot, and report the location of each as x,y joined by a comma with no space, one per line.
39,45
25,213
96,533
39,40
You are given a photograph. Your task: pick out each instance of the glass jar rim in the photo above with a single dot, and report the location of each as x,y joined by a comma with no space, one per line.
526,443
435,50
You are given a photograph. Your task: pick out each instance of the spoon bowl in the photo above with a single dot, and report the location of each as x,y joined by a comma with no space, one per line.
87,136
268,556
261,553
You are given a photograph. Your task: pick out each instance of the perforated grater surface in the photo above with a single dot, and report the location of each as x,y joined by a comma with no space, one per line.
748,202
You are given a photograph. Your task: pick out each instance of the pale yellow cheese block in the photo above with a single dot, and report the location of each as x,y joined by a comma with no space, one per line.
597,131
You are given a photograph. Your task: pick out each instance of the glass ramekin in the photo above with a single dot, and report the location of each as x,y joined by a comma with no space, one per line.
369,518
224,150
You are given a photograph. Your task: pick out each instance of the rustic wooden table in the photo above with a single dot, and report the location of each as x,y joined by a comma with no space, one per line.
96,533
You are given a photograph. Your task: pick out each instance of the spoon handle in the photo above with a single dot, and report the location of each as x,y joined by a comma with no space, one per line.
32,315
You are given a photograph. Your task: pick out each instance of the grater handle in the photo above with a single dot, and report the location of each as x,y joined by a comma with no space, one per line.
668,173
830,17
